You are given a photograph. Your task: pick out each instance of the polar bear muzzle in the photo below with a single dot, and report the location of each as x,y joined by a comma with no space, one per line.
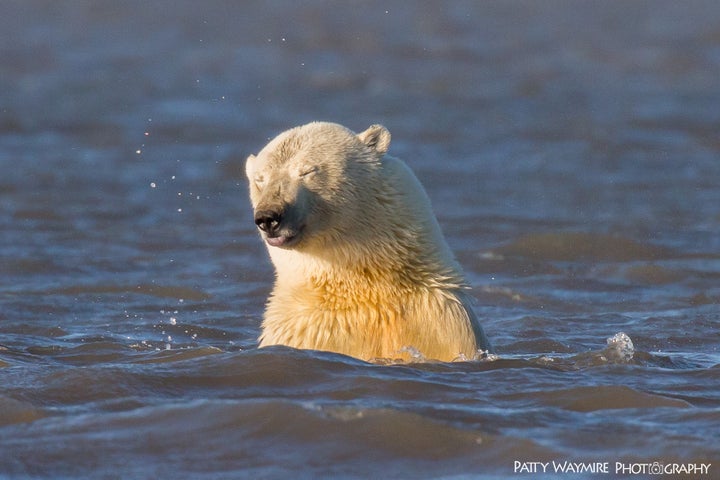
278,227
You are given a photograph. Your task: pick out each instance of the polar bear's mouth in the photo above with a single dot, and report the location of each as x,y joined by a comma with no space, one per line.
284,239
281,241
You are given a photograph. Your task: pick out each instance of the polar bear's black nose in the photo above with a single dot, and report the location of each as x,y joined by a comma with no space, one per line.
268,220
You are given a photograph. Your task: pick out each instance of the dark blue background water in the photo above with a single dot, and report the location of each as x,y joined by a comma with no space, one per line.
571,152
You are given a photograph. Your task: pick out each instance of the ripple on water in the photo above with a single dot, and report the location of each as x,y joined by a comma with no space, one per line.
603,397
582,246
250,435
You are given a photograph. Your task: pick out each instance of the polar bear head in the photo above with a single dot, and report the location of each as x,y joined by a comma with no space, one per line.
316,184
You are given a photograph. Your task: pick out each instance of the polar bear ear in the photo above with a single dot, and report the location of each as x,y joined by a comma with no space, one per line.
249,166
377,138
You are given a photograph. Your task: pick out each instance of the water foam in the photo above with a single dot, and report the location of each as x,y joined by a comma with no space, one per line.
620,348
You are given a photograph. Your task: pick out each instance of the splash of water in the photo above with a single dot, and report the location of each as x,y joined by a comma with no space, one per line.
620,348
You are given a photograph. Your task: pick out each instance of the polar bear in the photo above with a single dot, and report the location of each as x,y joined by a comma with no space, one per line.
361,265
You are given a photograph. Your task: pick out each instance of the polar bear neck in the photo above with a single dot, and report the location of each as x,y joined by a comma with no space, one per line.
353,266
